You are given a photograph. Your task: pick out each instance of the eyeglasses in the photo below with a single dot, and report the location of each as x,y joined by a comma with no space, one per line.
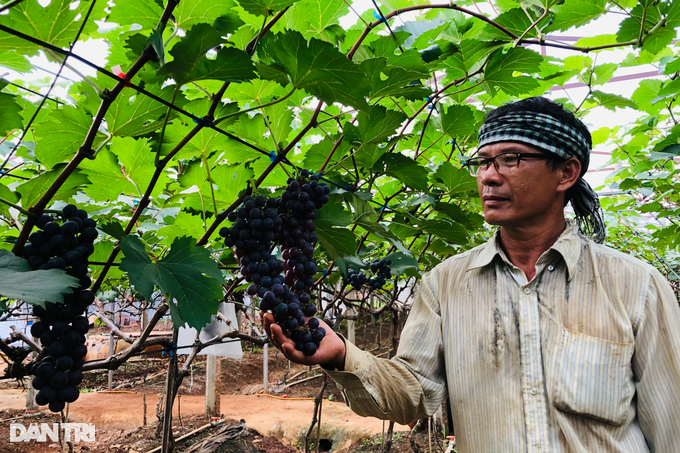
504,163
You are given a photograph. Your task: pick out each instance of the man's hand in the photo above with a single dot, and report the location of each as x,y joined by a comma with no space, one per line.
331,350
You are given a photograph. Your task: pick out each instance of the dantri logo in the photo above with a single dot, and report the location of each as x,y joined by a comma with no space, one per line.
73,432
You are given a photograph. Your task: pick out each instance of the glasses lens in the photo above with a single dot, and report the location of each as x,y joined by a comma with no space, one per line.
507,161
473,166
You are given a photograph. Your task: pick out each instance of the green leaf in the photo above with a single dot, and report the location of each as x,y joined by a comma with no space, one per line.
132,115
320,14
142,12
10,114
457,121
319,68
612,101
18,281
57,23
368,222
646,93
60,136
187,275
502,66
375,126
33,190
453,233
113,229
191,64
229,181
265,7
109,179
574,13
404,169
8,195
188,14
15,62
349,262
401,263
456,180
336,241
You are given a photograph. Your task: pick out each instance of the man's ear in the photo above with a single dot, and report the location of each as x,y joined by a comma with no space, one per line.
570,172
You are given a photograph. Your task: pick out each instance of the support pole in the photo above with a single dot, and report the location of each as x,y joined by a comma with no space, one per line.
168,439
31,405
111,346
351,336
265,367
212,386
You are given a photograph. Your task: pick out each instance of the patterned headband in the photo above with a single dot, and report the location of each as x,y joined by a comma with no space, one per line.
539,130
549,134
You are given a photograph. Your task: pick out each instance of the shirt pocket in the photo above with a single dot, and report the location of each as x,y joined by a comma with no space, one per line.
592,377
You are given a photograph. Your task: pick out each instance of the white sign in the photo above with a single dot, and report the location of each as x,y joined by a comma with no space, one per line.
73,432
231,347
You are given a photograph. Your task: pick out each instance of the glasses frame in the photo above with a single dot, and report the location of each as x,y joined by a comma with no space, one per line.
485,161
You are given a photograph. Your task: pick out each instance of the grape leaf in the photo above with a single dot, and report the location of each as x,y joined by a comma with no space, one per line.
33,190
575,13
141,12
57,23
265,7
320,14
191,64
10,114
109,178
375,125
19,281
455,179
501,68
453,233
401,263
404,169
318,68
612,101
229,180
188,14
457,121
187,275
61,134
131,115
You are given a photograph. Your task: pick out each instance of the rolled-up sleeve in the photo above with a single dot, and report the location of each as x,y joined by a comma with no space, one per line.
656,365
412,384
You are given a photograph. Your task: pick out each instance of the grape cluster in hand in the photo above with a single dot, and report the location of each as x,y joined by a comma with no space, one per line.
62,327
381,270
288,221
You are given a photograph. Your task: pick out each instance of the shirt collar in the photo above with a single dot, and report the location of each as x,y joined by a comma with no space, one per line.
567,245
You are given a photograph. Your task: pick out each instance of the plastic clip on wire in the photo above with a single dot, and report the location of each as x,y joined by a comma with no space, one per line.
379,17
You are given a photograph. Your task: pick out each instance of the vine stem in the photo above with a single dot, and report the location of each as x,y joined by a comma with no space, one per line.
17,207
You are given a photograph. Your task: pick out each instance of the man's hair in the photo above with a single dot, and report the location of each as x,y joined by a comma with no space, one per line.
543,105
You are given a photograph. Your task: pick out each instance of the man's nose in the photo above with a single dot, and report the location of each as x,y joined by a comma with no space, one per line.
491,177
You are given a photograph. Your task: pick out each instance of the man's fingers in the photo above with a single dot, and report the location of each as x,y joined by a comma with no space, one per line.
267,321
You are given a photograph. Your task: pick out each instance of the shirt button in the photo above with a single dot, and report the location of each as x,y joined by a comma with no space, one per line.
534,391
551,268
527,291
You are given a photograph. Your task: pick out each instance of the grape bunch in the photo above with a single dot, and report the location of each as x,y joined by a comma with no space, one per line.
262,223
62,327
381,270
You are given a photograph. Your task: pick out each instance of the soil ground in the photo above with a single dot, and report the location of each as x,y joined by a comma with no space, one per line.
276,422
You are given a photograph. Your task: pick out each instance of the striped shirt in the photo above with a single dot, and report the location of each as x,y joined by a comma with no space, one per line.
585,357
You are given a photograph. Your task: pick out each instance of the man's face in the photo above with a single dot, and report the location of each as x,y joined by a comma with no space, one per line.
522,196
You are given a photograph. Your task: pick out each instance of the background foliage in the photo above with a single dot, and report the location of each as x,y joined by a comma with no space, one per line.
201,103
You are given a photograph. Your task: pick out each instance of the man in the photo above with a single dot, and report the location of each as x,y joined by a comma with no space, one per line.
543,339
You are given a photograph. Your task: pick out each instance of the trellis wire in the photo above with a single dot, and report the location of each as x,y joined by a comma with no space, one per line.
54,82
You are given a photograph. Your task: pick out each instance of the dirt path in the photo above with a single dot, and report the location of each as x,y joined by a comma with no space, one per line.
285,419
